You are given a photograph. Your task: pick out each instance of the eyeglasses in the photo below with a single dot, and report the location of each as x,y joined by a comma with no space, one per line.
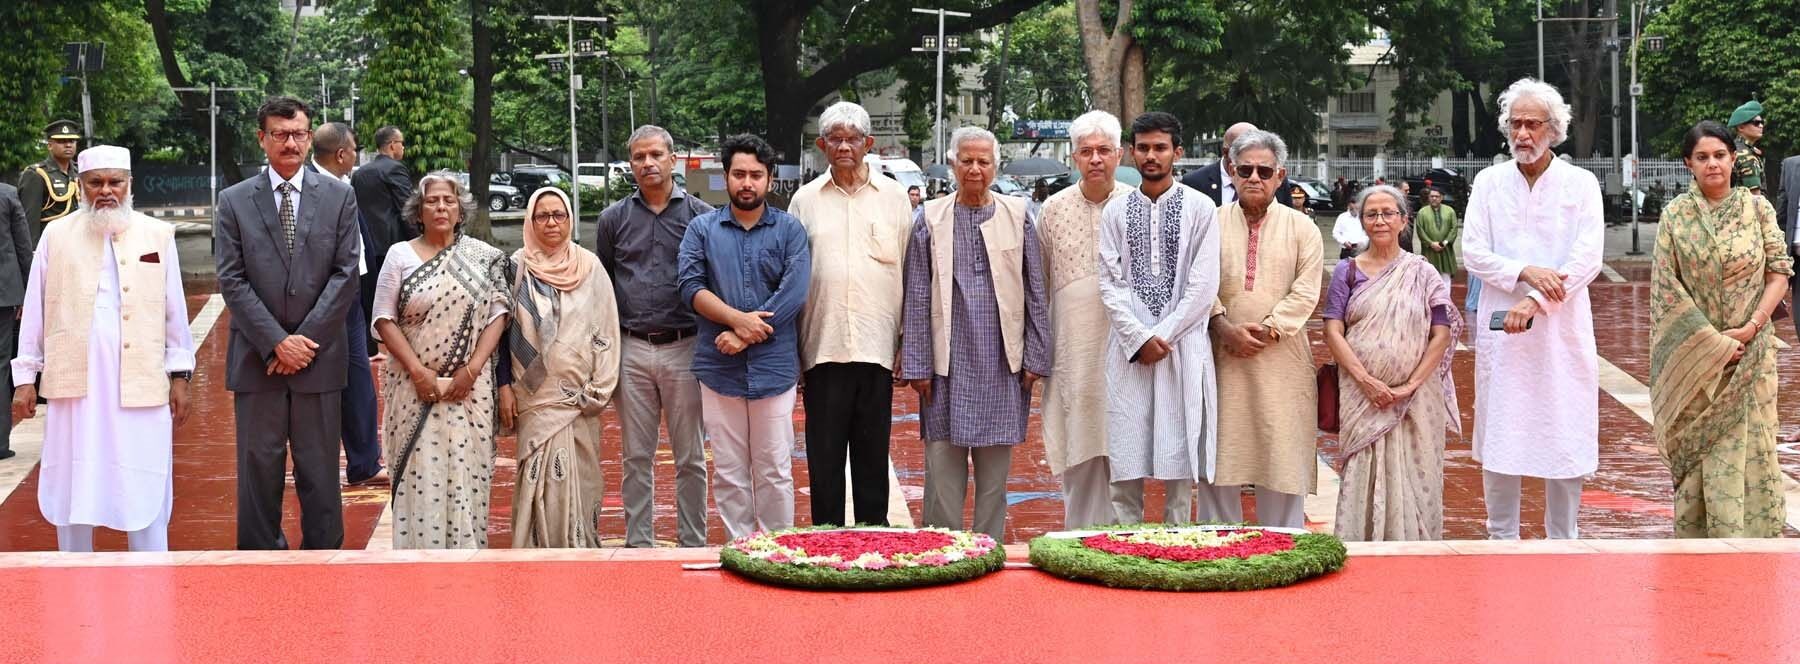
1757,122
1090,153
1382,215
295,136
1262,172
1527,124
557,217
843,141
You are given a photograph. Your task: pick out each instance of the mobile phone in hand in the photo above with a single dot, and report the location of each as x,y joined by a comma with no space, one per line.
1499,321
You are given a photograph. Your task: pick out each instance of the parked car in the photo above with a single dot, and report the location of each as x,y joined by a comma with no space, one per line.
532,177
1318,197
595,174
501,196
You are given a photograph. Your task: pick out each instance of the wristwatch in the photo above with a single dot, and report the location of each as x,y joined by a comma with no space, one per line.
183,375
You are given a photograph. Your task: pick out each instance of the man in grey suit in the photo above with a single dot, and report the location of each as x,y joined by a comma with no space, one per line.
287,261
15,268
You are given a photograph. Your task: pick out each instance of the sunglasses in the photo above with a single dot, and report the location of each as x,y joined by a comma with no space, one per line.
1263,172
1757,122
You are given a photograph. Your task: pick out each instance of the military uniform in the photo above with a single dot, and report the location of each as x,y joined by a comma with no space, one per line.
46,190
1748,171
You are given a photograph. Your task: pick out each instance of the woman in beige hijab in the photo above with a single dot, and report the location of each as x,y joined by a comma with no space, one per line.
565,364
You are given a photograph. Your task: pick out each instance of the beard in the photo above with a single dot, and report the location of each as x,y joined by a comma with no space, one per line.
109,221
752,205
1529,155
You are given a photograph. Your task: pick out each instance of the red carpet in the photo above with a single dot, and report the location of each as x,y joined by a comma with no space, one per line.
1496,608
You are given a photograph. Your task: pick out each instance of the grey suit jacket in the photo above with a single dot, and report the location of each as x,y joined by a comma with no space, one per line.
1787,206
15,248
272,295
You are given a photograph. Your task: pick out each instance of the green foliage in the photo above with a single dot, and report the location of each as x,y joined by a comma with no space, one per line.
1430,37
1312,555
1271,63
1718,55
33,90
1044,75
413,81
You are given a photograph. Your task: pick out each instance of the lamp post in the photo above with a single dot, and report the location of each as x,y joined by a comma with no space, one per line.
566,61
212,141
939,44
1638,40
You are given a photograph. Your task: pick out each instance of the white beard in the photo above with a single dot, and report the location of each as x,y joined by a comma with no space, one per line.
109,221
1527,155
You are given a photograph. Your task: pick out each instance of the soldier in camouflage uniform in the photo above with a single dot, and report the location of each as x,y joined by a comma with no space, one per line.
1747,122
47,188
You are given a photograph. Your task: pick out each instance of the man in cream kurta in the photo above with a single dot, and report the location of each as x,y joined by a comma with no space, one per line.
1160,274
105,335
1270,272
1535,236
1074,409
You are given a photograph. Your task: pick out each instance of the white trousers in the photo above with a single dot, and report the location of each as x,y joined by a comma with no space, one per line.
753,457
1089,495
79,538
1224,504
1562,502
1178,500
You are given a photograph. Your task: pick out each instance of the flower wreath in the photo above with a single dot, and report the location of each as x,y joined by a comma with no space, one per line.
865,558
1209,557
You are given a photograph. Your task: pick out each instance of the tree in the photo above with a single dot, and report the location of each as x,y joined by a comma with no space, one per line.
1040,73
227,44
414,81
1717,56
34,91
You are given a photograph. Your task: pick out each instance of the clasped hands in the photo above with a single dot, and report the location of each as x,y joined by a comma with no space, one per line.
747,327
292,355
1382,394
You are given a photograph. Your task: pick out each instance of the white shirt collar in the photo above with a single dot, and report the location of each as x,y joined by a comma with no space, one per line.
325,172
275,179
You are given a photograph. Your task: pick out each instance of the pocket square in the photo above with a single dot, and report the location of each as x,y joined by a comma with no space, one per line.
152,257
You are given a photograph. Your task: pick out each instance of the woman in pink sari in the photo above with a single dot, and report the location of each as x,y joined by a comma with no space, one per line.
1390,324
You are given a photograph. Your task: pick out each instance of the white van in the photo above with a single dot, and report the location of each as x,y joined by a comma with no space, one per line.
902,170
594,174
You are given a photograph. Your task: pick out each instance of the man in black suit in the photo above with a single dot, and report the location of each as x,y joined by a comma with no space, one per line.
382,186
15,267
287,271
1214,180
334,154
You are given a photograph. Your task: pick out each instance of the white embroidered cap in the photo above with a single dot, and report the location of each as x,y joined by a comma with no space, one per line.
103,156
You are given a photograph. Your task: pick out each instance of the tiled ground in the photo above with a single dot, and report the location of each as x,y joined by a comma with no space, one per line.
1629,498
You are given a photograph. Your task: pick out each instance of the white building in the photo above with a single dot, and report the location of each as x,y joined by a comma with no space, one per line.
1355,124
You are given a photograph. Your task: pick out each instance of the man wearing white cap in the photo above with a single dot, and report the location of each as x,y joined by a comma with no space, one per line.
105,337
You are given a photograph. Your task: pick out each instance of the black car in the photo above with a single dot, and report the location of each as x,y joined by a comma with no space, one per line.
1447,180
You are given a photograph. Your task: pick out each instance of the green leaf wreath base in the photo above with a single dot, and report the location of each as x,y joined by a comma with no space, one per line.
1313,554
826,578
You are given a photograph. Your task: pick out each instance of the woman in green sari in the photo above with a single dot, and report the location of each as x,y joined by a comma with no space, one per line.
1721,268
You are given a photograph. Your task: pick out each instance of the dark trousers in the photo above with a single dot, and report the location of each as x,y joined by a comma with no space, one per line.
268,424
9,348
849,409
367,288
362,447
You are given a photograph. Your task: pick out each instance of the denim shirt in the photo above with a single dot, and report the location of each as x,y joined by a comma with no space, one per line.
765,268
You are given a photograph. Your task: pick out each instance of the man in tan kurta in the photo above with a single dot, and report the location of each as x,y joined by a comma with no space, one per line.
1074,411
1270,269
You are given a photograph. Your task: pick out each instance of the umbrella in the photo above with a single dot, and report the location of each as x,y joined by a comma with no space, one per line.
939,171
1035,167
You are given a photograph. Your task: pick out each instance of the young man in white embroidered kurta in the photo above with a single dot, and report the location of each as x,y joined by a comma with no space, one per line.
1074,410
105,329
1159,262
1535,237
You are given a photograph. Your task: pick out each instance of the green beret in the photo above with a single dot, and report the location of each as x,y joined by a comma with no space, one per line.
1744,114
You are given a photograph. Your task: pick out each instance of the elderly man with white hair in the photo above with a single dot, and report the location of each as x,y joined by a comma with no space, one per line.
1270,274
1074,413
1534,235
858,221
976,334
104,336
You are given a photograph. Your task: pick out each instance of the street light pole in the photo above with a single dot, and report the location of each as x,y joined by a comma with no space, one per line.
568,60
939,45
1637,90
212,141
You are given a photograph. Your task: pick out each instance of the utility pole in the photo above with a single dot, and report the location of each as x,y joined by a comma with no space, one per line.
939,44
566,61
212,141
1638,41
324,100
84,57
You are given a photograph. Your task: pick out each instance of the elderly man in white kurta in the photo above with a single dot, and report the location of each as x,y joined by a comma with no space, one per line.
1534,236
105,335
1159,267
1074,410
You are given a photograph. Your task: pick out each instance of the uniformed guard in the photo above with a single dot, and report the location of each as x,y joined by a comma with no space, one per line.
1747,121
47,188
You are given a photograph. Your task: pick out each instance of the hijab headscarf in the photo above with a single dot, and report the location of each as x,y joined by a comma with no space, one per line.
564,266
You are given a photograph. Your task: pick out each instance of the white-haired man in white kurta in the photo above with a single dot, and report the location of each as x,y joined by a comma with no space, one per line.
1535,236
104,335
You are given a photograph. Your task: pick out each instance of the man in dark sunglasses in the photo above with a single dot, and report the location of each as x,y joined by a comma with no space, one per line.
1747,121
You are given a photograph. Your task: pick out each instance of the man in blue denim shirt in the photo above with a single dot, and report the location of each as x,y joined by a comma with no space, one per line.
745,270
